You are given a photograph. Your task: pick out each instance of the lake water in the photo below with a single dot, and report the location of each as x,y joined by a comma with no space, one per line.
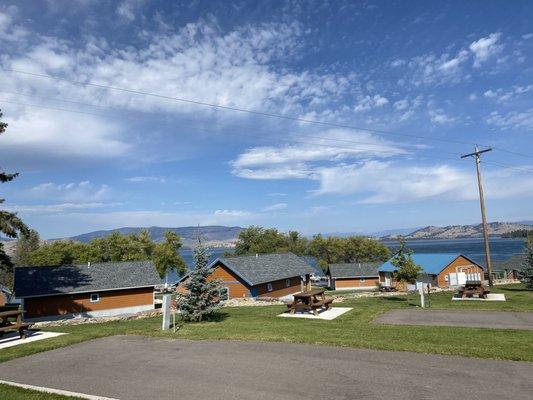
500,249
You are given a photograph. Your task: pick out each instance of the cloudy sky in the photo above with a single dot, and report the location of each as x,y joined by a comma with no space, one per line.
111,117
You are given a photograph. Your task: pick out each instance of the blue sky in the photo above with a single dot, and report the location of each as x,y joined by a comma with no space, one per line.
403,90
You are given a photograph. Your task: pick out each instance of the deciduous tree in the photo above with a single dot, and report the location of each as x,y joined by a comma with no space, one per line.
406,269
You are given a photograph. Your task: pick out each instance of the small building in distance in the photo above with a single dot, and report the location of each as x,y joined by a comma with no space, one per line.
350,276
439,269
261,275
508,269
89,290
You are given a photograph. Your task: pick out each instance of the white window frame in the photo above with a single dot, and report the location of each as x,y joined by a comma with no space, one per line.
97,297
288,282
269,286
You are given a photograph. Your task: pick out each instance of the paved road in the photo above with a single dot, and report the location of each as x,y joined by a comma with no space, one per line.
474,319
135,367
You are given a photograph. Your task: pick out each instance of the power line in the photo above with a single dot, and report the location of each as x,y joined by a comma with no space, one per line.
183,118
237,109
291,140
261,113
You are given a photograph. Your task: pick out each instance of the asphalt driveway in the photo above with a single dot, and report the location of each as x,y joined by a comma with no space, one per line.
472,319
135,367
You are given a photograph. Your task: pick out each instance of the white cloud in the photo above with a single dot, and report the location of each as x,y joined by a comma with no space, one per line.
80,192
485,47
230,214
512,119
275,207
127,8
502,95
58,208
292,160
452,65
386,182
141,179
369,102
438,116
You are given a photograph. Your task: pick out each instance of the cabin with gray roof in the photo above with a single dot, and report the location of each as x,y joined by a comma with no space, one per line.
89,290
261,275
353,276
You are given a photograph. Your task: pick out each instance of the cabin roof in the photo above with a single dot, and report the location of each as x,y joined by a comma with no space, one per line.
75,278
354,270
262,268
431,263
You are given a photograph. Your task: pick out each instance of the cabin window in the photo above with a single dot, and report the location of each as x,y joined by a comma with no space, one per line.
287,283
95,298
269,287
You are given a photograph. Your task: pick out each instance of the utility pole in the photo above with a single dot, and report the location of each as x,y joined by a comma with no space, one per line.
477,155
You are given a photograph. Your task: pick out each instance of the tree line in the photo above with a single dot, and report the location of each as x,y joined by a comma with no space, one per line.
112,248
519,233
327,250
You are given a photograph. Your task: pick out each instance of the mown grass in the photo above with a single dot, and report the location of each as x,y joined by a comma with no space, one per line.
353,329
15,393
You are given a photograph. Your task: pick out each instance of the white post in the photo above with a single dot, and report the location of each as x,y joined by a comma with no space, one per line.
166,310
421,291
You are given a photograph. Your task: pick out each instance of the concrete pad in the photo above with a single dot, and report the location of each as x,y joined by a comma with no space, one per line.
490,297
326,315
140,368
470,319
13,339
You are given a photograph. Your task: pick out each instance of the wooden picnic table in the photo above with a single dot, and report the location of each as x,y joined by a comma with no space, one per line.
310,300
19,325
472,288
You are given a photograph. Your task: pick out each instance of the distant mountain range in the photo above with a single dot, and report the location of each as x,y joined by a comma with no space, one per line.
213,235
462,231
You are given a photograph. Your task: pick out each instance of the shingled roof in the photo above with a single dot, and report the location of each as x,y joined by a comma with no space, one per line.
354,270
431,263
67,279
263,268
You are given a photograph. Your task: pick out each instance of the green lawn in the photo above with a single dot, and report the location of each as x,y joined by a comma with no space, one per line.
15,393
354,329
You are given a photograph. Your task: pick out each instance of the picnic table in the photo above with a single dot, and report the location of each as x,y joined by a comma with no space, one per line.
472,288
19,325
310,300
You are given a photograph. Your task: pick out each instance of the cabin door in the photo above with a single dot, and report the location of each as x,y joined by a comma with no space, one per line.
388,280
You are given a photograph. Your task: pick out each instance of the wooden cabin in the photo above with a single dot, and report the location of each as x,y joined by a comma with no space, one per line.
89,290
261,275
353,276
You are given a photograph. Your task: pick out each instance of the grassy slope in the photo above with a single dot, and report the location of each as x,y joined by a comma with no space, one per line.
354,329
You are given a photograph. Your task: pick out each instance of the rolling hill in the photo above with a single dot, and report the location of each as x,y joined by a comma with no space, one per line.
213,235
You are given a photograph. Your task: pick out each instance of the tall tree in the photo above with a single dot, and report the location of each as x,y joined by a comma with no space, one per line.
166,255
10,224
526,270
260,240
406,269
26,244
203,298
